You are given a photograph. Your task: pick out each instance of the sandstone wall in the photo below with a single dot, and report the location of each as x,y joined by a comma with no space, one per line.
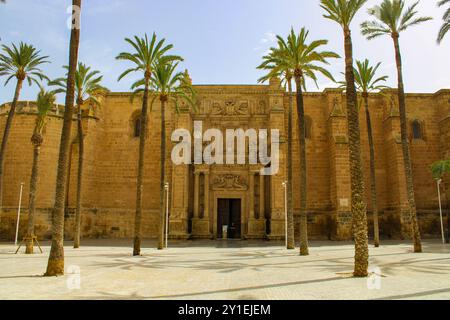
111,153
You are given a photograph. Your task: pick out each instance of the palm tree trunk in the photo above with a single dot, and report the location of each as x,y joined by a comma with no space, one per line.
6,133
163,173
55,264
359,213
140,177
447,233
290,212
32,198
77,235
304,251
405,148
373,183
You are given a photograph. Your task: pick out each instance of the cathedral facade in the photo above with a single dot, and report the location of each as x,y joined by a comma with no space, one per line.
230,201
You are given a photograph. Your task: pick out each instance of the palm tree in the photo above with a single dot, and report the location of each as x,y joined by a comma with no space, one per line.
55,264
446,26
439,169
168,85
277,69
343,12
366,82
298,59
22,63
45,101
146,55
391,18
87,85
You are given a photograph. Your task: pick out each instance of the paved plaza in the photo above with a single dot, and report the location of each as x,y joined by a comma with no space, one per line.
105,269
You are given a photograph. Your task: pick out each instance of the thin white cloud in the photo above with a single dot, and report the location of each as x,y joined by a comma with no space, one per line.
265,43
269,37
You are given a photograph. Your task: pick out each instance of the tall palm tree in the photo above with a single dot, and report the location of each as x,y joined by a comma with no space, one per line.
277,69
366,81
87,85
391,18
45,100
298,60
146,54
55,264
439,169
343,12
446,25
168,85
22,63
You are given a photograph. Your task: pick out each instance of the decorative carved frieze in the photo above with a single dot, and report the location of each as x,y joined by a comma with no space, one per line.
261,109
229,182
230,108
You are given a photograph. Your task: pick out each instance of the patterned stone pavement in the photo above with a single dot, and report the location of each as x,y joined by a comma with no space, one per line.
105,269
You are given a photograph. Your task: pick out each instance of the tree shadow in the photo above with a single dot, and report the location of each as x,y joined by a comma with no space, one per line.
18,277
244,289
192,295
416,294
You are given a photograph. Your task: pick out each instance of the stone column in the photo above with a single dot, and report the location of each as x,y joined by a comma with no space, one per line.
200,225
256,228
207,204
251,198
196,194
261,198
277,121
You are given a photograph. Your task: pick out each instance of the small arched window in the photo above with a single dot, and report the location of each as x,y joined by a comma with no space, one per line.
417,130
308,127
137,127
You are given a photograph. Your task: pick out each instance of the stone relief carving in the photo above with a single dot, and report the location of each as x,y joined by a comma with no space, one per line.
393,107
229,182
337,108
230,108
262,107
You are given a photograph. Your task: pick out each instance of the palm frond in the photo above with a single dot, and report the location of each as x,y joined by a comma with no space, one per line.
390,18
342,11
87,83
145,56
44,101
22,62
295,55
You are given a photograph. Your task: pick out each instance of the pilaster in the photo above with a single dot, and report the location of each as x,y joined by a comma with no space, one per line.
179,212
201,223
277,121
340,186
397,213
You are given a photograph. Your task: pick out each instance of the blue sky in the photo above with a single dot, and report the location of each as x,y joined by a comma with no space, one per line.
222,41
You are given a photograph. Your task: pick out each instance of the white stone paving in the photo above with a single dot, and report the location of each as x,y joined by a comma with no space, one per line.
227,270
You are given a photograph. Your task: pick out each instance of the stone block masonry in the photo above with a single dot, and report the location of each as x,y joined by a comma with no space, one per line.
111,166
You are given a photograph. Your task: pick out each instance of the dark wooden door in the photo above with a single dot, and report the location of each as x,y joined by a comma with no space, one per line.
234,227
229,214
223,210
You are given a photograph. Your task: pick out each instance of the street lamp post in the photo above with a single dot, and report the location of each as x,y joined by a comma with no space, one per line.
438,182
18,213
285,212
166,186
